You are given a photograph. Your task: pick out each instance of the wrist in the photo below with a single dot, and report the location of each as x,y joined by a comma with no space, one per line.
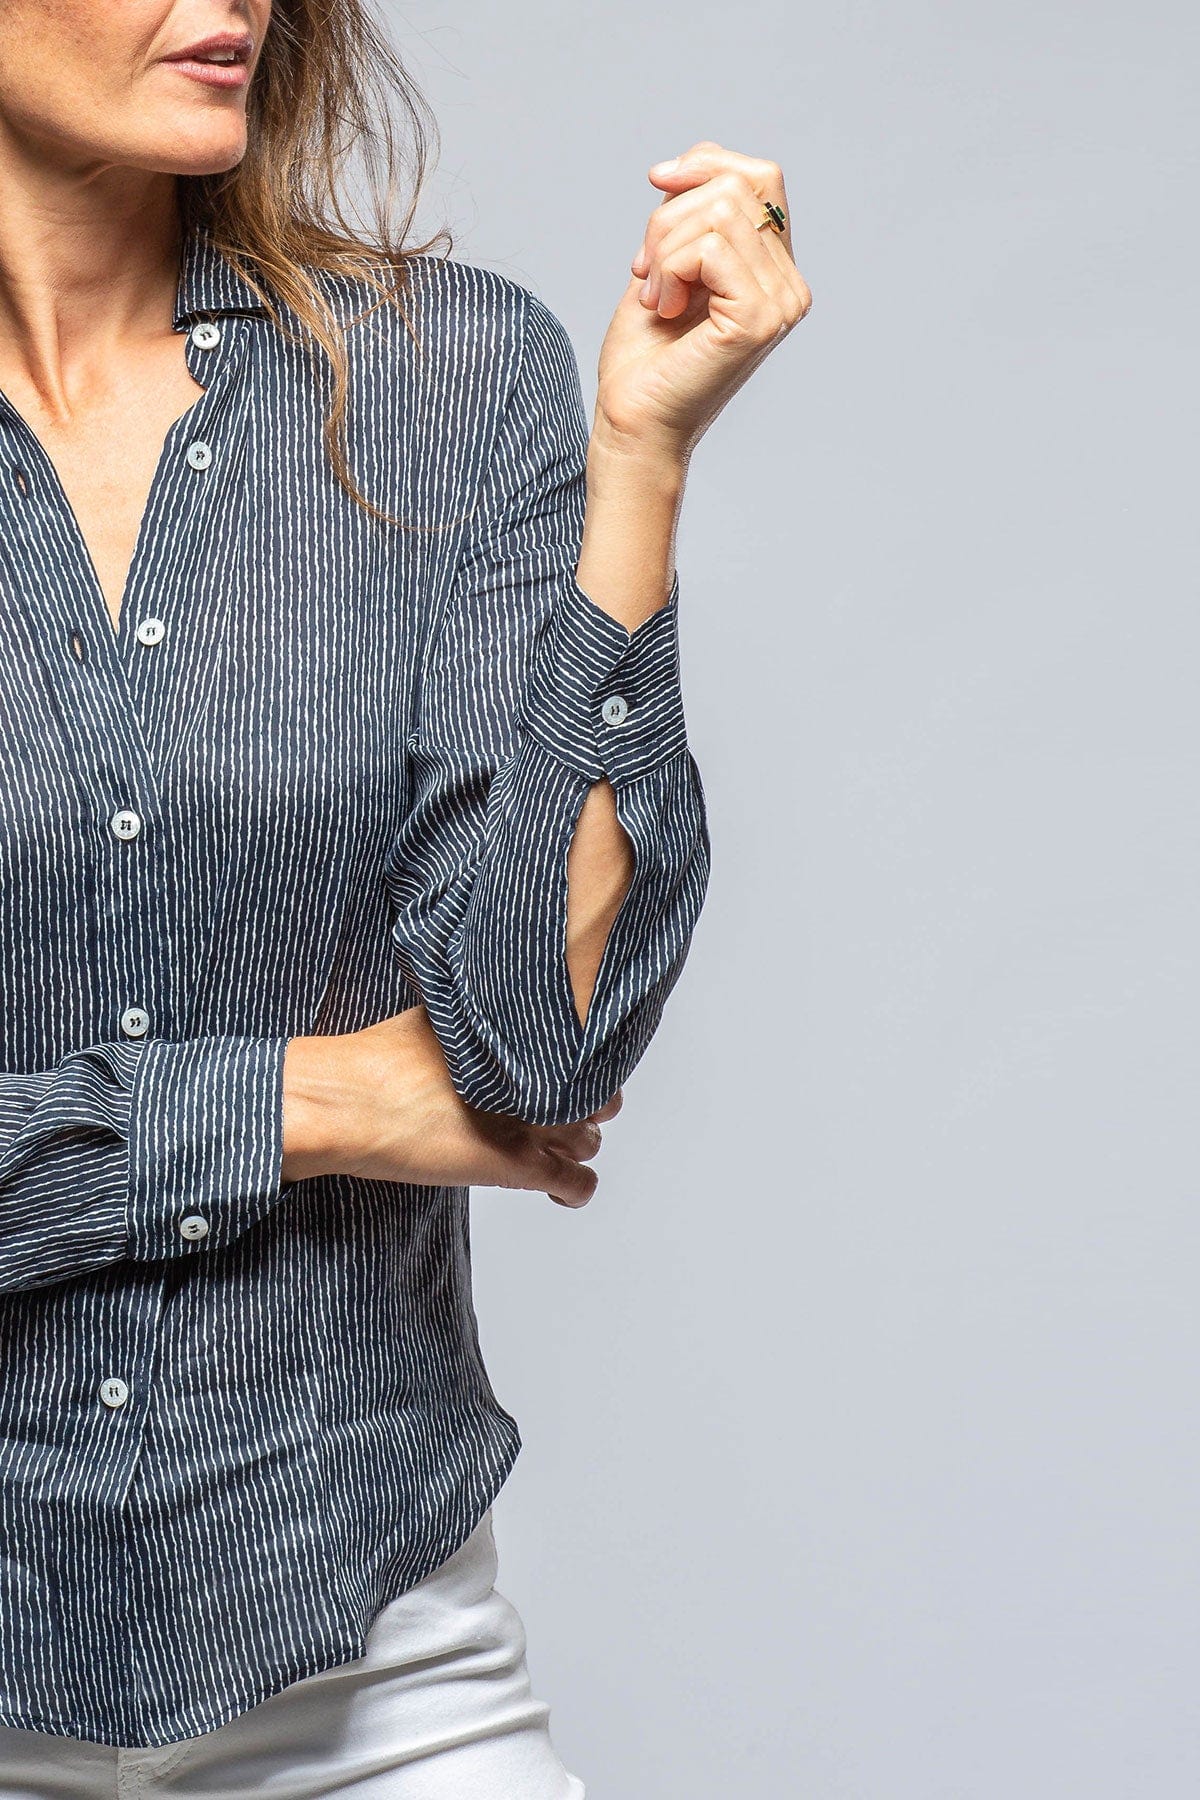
619,456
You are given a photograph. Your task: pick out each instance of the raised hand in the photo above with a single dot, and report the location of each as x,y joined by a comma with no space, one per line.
720,291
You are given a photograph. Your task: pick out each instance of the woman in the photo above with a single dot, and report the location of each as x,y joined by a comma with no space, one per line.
352,846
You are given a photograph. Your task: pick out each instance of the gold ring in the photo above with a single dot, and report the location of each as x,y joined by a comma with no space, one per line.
774,216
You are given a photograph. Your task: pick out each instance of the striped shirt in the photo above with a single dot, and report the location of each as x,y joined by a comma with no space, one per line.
326,768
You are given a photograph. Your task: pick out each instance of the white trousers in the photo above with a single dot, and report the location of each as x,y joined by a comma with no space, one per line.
439,1707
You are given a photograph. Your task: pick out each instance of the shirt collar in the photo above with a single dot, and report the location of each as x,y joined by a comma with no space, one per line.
209,284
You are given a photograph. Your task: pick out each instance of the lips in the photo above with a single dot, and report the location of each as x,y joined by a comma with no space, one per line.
222,50
219,62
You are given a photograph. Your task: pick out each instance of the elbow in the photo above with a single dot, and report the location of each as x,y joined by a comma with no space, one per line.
542,1074
563,1102
524,1080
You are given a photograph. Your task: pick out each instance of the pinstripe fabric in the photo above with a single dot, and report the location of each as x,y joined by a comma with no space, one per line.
356,756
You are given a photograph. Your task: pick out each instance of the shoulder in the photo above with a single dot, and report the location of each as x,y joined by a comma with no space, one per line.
457,318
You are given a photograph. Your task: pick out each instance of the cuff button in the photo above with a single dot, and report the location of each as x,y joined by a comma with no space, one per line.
194,1226
615,710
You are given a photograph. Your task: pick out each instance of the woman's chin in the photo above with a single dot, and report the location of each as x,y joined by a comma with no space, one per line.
207,147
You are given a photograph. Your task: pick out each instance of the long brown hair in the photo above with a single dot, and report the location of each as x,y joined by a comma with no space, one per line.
327,88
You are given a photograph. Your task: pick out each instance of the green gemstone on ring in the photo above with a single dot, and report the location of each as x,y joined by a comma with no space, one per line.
777,213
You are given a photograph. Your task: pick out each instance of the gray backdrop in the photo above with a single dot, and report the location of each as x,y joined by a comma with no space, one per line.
860,1432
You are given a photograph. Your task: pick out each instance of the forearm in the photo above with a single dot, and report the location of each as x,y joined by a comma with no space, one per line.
627,555
626,565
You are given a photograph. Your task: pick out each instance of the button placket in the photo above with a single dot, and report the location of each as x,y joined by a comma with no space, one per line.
139,987
205,335
126,824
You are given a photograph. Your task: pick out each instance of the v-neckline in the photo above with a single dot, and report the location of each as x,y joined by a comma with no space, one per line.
115,629
172,431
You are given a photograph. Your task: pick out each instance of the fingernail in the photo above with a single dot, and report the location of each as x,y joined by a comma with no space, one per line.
664,168
645,294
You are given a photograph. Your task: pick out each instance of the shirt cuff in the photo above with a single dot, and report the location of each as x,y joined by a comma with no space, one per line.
205,1142
64,1170
603,699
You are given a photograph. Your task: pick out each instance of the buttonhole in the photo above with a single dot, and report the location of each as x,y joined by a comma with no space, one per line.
19,478
78,647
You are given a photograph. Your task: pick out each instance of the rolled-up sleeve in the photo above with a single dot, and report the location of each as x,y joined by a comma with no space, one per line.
529,693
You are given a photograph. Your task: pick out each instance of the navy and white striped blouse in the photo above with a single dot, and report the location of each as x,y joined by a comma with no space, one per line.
326,768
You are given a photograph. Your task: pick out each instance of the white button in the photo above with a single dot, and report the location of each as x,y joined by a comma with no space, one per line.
125,824
113,1391
615,709
150,631
194,1226
206,335
135,1021
199,454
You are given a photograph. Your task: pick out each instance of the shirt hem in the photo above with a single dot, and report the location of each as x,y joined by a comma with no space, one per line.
284,1676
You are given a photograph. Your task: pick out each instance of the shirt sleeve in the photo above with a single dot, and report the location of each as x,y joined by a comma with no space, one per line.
137,1150
529,693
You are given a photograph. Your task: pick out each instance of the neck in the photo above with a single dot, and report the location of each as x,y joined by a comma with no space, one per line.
88,263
